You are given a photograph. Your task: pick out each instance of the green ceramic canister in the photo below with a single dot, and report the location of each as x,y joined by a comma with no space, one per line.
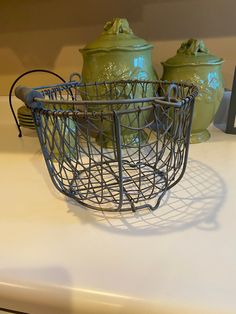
117,54
193,63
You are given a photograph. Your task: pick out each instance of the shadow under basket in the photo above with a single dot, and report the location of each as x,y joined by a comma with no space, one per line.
113,146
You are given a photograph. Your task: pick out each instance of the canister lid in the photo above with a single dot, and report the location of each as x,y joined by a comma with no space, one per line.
192,52
117,35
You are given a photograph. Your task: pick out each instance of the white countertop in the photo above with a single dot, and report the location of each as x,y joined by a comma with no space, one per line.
56,257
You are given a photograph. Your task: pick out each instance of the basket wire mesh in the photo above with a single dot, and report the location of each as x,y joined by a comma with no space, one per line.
113,146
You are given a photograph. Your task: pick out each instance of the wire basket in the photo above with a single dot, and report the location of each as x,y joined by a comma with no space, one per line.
113,146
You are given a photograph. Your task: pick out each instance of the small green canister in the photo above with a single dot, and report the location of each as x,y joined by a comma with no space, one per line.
194,64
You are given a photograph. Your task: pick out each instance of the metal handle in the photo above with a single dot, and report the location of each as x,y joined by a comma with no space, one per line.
172,88
27,95
74,75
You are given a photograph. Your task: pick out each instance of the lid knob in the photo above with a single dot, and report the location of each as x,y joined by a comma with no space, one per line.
117,26
193,47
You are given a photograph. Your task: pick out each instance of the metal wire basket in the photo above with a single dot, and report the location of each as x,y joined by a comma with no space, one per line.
113,146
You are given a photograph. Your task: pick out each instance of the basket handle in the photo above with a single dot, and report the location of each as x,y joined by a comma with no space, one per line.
27,94
172,88
74,75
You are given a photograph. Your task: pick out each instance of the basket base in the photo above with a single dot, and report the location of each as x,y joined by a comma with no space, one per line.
199,137
142,186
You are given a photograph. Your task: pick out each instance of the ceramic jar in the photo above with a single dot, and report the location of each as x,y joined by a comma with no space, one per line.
193,63
117,54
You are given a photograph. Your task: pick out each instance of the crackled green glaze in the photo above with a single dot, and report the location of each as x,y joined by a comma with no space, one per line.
117,54
194,64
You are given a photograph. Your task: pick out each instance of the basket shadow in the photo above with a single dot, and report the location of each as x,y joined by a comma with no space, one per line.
194,202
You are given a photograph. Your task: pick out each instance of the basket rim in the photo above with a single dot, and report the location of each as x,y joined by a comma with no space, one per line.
37,100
